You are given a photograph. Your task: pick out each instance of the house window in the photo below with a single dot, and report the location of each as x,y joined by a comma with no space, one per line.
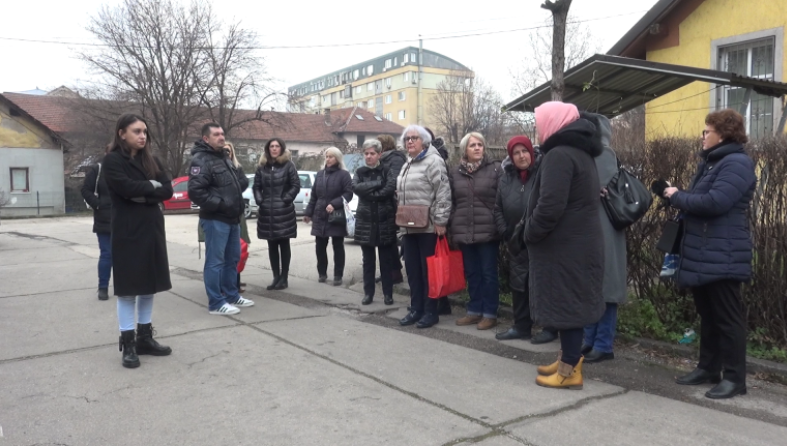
388,82
396,62
412,58
406,76
370,104
356,74
406,58
401,96
387,63
388,99
370,87
359,139
401,114
754,59
389,116
20,179
370,70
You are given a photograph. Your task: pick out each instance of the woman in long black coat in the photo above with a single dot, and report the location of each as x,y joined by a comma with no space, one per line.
276,185
332,186
375,224
564,238
137,185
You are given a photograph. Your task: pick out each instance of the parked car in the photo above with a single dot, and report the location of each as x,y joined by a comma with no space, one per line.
248,198
180,195
302,200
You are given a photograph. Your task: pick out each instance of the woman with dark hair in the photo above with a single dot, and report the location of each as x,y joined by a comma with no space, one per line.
392,161
96,195
716,251
276,184
564,238
332,186
137,185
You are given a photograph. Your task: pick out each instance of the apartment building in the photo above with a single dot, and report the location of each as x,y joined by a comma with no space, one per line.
386,86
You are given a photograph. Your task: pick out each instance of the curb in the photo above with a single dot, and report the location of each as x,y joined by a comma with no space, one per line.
753,364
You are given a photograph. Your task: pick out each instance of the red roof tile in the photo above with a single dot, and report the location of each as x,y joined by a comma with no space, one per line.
54,112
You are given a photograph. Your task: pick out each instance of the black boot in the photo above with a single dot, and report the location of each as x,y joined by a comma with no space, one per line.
337,280
443,306
103,294
388,300
282,283
367,299
127,345
276,277
146,345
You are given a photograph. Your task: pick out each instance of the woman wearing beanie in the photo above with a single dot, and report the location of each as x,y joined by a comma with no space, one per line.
513,196
332,186
564,238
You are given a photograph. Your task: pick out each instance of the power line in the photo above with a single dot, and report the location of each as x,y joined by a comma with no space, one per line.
687,97
334,45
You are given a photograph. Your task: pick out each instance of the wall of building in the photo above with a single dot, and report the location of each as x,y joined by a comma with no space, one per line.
682,112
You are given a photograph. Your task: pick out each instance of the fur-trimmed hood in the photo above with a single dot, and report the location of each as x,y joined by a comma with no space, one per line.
582,134
281,159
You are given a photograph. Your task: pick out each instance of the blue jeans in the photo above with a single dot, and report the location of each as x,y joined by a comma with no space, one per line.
480,262
601,335
143,304
104,259
222,254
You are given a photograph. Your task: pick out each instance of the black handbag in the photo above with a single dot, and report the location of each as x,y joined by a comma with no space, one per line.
626,199
337,217
671,236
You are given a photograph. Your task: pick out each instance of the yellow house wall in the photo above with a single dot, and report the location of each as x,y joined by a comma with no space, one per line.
682,112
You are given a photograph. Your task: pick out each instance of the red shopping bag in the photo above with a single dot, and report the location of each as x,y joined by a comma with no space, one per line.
244,255
446,270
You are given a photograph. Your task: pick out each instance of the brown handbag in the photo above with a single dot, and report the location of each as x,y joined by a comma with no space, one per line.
412,216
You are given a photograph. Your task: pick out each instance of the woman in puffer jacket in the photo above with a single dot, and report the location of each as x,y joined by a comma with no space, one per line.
423,182
276,185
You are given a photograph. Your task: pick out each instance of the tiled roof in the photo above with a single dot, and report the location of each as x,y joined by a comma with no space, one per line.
58,114
53,132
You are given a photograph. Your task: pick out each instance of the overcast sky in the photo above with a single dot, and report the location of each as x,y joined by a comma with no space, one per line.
29,65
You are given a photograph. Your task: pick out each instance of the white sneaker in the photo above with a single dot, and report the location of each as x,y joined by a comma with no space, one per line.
226,309
243,302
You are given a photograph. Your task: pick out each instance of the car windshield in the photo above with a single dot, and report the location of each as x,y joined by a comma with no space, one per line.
306,180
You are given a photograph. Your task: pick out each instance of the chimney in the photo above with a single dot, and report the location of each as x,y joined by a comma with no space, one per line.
327,113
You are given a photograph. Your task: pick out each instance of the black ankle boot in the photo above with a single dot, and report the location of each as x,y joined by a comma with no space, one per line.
127,346
282,284
388,300
276,277
146,345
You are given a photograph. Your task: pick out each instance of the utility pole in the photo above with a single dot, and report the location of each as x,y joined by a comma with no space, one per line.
420,80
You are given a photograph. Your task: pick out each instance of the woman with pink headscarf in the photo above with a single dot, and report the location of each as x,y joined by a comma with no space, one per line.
564,237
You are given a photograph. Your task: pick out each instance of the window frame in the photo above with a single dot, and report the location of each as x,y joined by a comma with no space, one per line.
402,115
402,96
11,180
389,99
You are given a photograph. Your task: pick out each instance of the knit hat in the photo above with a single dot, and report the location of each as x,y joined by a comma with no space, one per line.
552,116
525,141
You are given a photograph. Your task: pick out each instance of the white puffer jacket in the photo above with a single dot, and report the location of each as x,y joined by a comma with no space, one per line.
423,180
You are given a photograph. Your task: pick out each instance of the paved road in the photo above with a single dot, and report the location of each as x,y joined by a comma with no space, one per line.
307,366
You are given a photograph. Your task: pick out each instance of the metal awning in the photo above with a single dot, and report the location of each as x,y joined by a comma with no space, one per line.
611,85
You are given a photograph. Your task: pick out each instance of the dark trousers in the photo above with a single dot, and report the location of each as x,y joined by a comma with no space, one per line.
480,262
104,259
521,303
370,268
322,256
418,247
280,249
396,262
571,344
723,329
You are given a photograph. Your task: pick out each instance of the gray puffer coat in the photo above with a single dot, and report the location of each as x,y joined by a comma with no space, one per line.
424,181
510,207
473,196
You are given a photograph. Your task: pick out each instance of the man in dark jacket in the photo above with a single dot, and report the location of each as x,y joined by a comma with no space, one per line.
96,195
217,188
392,161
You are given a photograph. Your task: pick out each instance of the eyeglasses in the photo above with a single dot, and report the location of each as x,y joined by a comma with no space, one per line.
706,132
409,139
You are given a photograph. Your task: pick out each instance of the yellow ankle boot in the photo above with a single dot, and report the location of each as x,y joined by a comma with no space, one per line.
548,370
565,377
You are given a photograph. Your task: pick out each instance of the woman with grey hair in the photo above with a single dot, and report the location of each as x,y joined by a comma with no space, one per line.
423,183
375,219
332,186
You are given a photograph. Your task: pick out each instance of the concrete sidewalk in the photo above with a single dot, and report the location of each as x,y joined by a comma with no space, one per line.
308,365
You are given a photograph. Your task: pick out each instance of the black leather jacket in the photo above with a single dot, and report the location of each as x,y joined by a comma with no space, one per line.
216,185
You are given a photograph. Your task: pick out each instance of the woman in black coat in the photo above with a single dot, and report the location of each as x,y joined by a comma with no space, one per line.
513,196
564,238
137,185
96,195
276,185
716,251
375,224
332,186
392,160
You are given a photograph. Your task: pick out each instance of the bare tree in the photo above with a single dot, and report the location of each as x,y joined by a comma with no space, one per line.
463,104
174,65
559,9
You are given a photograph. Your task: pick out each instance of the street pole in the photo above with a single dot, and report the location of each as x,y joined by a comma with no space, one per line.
420,80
